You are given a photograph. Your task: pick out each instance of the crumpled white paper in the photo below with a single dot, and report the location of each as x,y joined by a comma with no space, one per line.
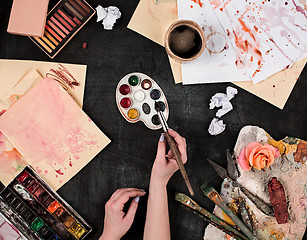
216,126
223,100
108,16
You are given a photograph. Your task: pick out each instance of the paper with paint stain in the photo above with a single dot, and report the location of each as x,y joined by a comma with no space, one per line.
217,63
9,77
52,132
11,161
267,36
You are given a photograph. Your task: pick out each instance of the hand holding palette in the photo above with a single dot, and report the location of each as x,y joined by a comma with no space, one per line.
136,94
63,22
40,212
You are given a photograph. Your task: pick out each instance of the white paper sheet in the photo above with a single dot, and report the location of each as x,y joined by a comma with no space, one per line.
217,63
267,36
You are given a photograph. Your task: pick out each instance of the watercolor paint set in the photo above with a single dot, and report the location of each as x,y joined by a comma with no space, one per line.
41,212
136,94
62,23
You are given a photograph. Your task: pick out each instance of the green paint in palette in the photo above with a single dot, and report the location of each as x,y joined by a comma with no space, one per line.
133,80
37,224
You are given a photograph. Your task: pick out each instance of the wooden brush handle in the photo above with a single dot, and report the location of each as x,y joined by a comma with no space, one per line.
173,146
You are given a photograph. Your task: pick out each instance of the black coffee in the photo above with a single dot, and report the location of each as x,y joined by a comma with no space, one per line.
184,41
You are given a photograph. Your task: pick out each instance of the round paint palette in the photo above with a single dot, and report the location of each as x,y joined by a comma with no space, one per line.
136,94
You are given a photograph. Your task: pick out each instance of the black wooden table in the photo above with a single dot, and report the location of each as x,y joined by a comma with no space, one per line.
127,161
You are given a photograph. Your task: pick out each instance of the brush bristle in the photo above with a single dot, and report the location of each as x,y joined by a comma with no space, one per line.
157,107
206,188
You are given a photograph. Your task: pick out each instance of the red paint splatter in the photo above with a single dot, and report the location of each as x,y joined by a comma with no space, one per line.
70,163
191,6
256,28
198,2
3,111
59,172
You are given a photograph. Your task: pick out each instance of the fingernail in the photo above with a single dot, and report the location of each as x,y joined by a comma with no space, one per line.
143,190
161,137
137,199
170,129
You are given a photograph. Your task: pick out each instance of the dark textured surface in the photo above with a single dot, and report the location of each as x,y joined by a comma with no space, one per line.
127,161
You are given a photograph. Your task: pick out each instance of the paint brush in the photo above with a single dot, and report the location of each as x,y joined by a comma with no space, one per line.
242,208
213,195
209,217
173,146
259,203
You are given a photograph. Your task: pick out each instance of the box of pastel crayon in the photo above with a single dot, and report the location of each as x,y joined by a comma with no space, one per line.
37,212
62,23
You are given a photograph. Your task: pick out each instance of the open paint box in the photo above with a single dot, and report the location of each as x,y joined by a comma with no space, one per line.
136,94
38,212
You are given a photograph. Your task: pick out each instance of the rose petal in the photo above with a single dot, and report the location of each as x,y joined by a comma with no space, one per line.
252,155
242,160
274,150
256,162
250,147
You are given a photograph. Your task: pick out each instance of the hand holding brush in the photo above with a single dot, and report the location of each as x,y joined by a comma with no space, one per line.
173,147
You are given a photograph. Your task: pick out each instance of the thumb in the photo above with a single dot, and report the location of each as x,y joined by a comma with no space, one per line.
132,210
161,147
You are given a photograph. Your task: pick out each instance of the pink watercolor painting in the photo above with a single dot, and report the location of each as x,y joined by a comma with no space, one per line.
267,35
52,132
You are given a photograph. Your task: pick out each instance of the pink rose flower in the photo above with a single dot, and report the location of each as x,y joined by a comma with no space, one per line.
257,155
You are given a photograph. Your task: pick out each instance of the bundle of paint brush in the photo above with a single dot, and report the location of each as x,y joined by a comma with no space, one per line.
40,212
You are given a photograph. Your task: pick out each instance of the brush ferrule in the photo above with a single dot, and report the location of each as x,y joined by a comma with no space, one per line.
163,121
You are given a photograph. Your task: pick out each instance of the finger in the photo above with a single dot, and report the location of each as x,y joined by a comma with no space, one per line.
132,210
161,146
178,139
125,196
117,194
181,143
170,154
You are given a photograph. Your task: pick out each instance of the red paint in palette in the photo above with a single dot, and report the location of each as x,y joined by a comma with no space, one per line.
124,89
125,102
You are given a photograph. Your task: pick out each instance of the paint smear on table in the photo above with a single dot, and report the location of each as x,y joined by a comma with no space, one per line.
267,36
52,132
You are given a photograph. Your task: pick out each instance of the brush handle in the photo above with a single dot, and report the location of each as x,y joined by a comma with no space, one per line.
260,204
215,197
173,146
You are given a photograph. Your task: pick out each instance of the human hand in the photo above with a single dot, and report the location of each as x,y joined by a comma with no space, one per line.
116,222
165,165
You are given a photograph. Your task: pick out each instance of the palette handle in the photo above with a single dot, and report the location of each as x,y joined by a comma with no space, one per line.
173,146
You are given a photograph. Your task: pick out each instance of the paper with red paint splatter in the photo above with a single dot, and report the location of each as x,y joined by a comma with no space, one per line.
52,132
217,63
267,35
11,161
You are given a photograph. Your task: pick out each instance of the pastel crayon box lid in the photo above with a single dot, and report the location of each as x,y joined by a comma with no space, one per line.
28,17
